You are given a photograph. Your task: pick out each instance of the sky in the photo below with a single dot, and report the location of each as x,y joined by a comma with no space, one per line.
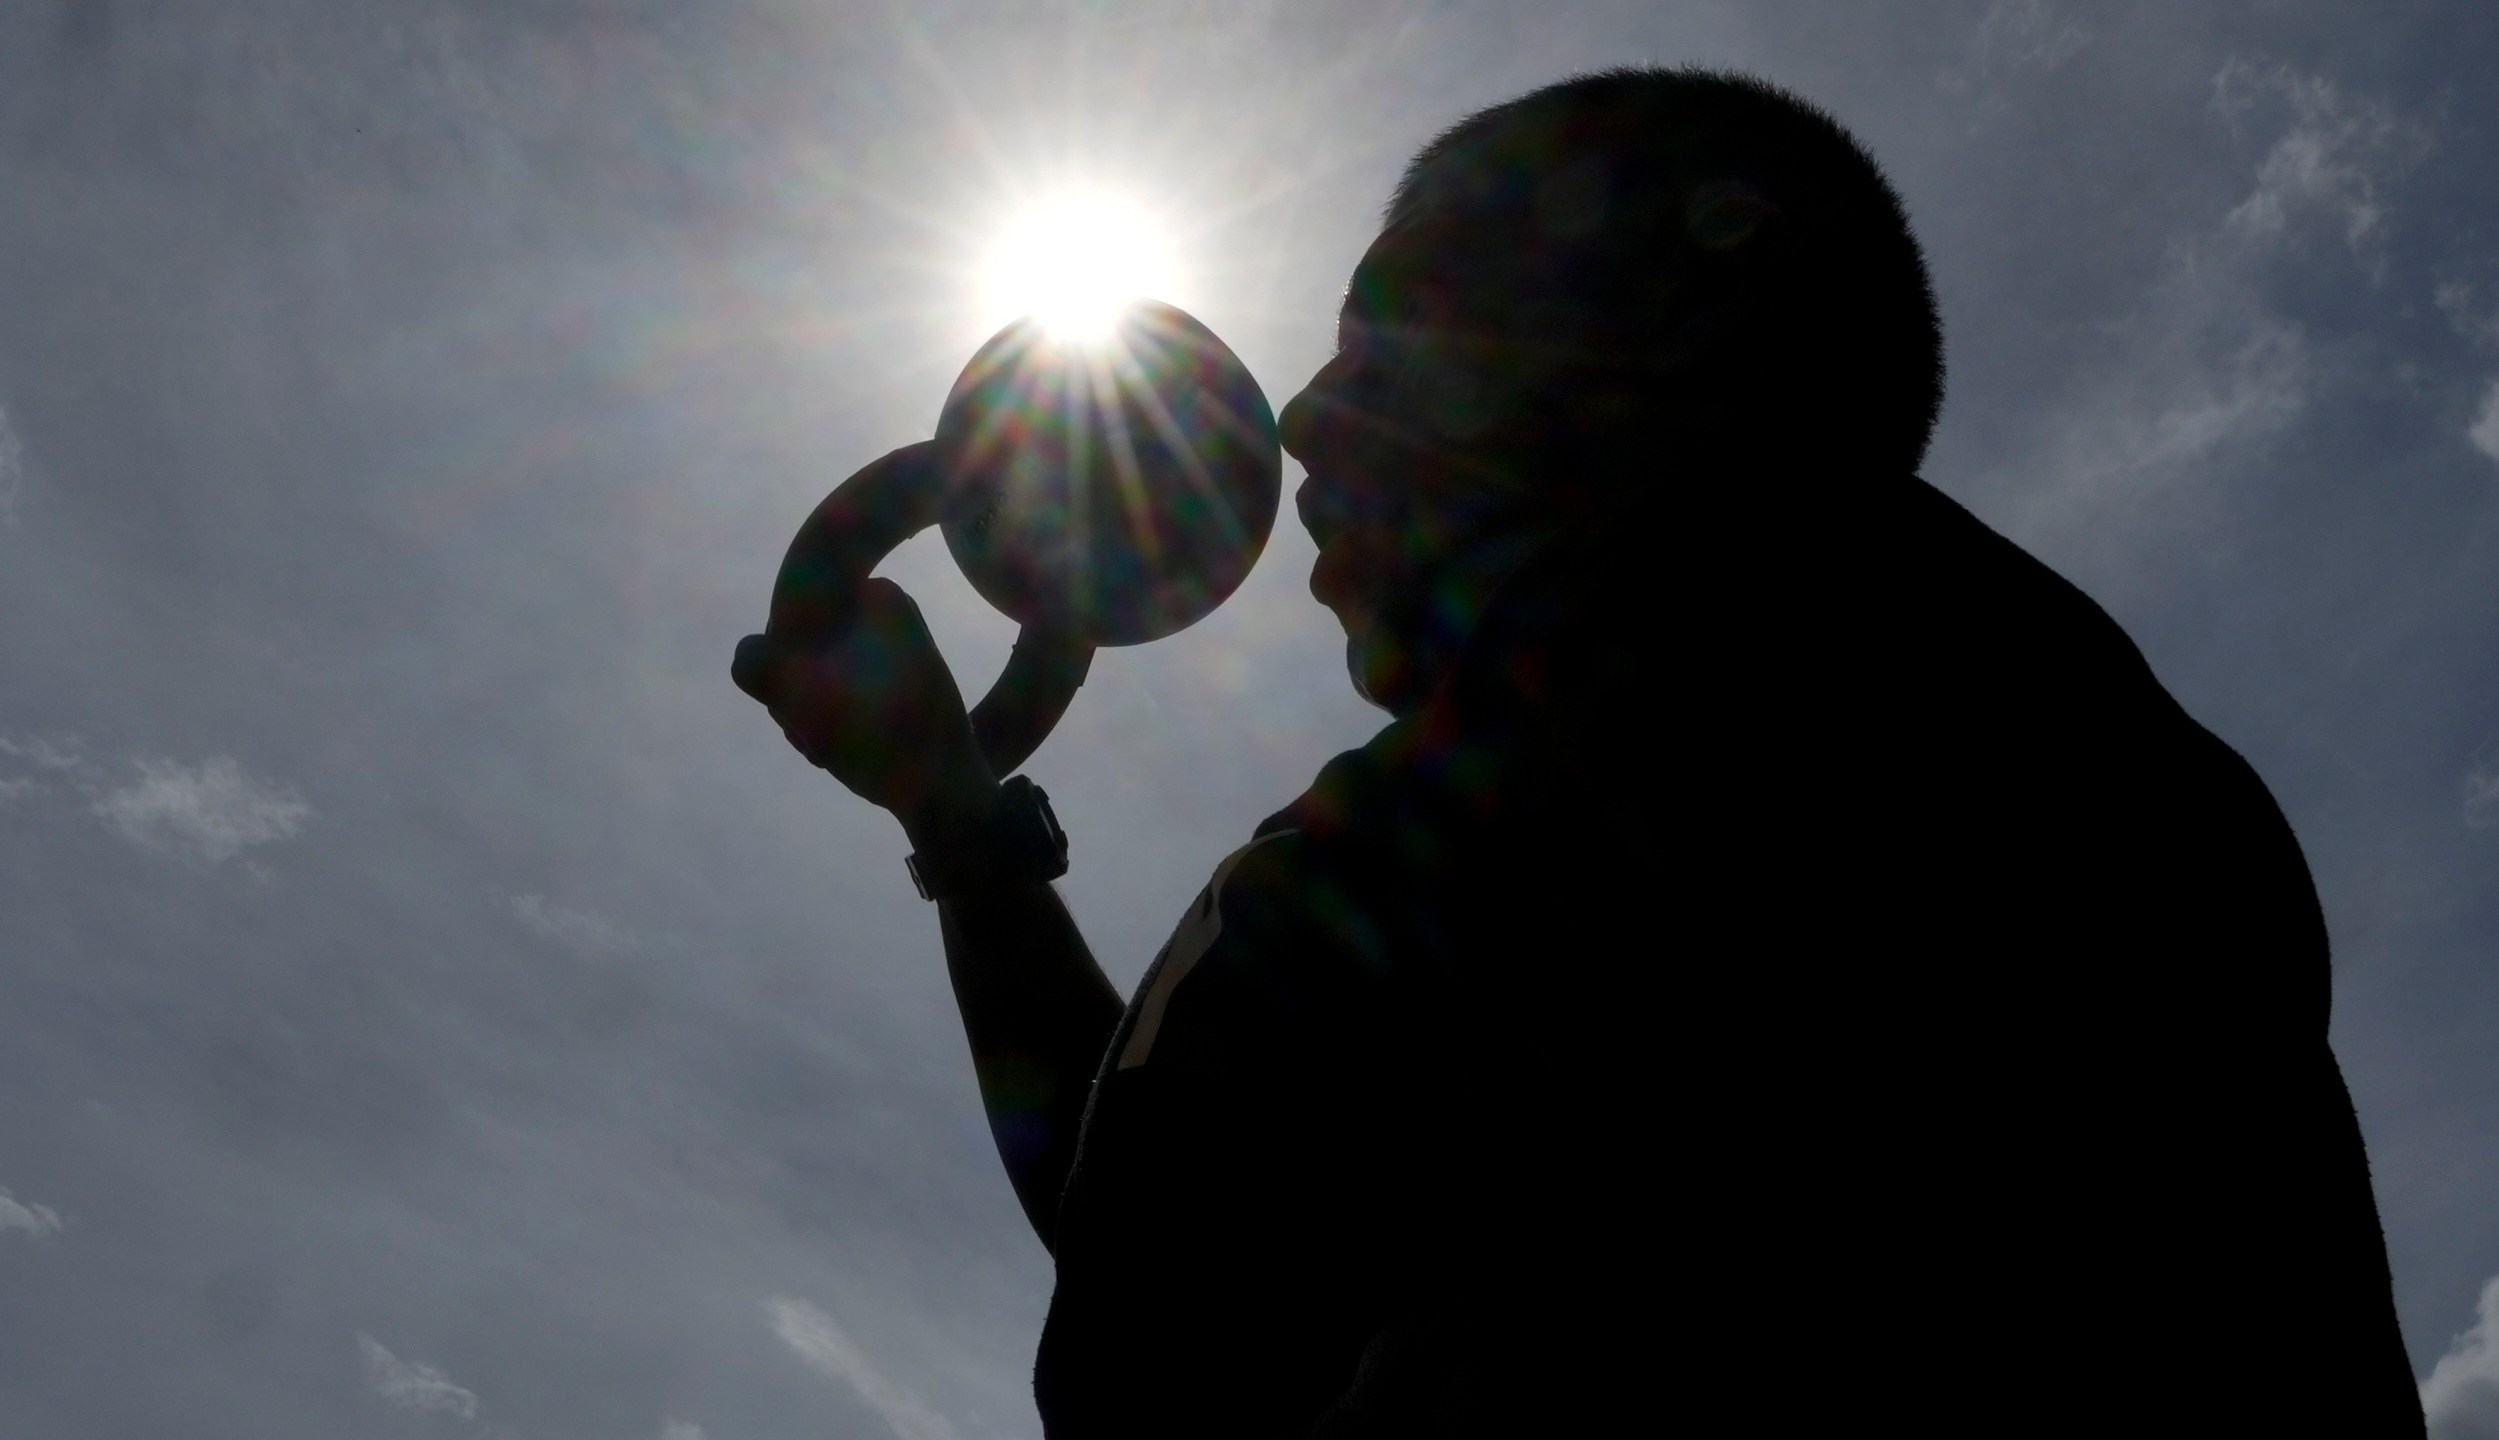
434,1003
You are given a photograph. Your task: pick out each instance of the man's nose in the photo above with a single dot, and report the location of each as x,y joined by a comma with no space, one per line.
1302,425
1297,422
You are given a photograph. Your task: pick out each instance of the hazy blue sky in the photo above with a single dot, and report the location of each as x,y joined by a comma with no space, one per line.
433,1002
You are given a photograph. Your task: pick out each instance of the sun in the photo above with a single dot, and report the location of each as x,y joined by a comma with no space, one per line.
1074,260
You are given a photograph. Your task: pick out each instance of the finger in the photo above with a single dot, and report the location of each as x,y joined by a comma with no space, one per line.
890,620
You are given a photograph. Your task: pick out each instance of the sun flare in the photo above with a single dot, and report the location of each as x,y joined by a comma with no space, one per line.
1074,260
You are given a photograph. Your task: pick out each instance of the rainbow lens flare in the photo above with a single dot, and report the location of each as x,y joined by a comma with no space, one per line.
1114,489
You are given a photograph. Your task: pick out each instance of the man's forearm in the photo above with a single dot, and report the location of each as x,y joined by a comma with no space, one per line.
1039,1013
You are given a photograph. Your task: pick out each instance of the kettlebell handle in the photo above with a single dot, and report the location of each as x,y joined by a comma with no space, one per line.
846,537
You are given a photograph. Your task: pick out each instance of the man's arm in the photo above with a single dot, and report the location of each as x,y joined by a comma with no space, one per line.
1039,1014
873,703
1036,1008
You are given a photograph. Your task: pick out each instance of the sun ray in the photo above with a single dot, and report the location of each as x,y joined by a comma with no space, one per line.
1135,503
1185,451
1074,260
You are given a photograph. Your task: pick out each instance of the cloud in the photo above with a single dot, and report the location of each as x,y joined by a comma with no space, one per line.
2212,373
58,756
2481,793
404,1383
2484,431
2461,1397
818,1341
2330,160
2028,35
12,469
209,812
2456,301
575,930
2478,324
681,1430
2209,366
33,757
36,1220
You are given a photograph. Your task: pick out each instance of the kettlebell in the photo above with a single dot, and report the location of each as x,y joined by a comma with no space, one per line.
1098,492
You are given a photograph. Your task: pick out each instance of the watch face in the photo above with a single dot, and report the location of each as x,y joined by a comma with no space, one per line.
1032,828
1050,819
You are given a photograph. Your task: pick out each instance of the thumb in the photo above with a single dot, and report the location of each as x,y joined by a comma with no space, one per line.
882,597
755,669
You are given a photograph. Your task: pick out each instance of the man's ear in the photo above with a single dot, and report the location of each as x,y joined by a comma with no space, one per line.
1724,215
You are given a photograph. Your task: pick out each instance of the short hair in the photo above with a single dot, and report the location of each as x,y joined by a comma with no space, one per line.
1660,178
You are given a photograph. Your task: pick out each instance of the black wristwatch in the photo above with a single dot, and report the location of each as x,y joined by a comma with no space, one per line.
1020,844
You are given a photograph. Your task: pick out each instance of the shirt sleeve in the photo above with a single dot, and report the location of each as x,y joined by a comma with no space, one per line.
1219,1248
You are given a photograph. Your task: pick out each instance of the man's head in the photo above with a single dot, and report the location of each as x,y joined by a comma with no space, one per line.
1615,293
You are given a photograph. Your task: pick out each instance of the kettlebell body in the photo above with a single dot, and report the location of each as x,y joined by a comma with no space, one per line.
1115,490
1100,493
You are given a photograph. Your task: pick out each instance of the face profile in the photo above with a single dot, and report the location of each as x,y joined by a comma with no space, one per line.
1417,439
1606,295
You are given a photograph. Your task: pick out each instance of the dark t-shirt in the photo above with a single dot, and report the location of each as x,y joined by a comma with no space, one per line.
1802,971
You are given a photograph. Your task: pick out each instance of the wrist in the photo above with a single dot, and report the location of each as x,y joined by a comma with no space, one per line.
956,802
944,821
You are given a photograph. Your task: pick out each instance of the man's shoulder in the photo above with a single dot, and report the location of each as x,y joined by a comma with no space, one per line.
2068,739
1351,785
1961,580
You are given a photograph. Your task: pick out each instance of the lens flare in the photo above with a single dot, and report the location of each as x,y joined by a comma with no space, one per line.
1073,261
1117,491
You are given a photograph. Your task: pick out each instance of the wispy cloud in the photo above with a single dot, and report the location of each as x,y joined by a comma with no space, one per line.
814,1337
2013,44
28,767
45,754
2331,159
2479,325
2461,1397
412,1386
12,469
2208,365
2458,301
36,1220
2207,373
2484,431
2481,793
210,811
680,1430
2028,35
579,931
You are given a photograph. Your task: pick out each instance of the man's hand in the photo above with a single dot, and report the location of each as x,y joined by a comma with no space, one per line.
872,701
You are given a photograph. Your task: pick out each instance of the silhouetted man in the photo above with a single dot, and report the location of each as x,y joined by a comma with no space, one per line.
1788,966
